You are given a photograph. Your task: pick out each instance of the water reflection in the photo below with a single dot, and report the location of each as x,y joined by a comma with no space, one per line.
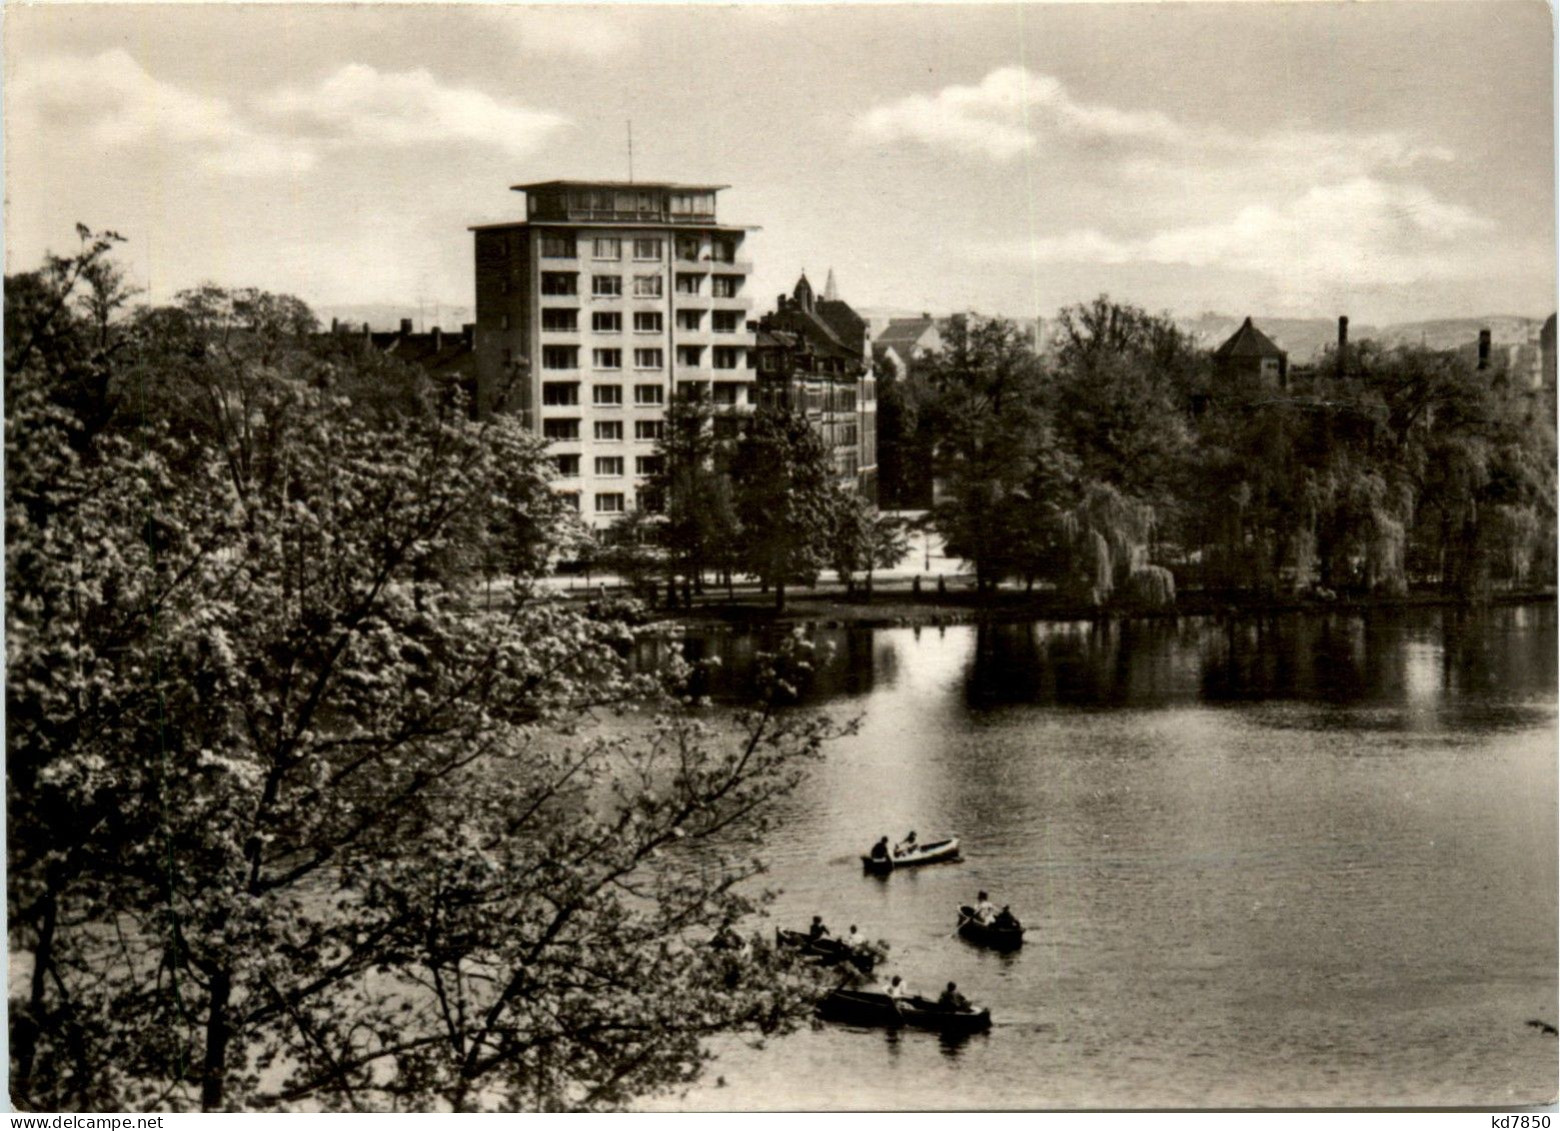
1418,657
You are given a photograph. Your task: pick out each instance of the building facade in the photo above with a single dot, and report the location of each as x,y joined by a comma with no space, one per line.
815,357
606,302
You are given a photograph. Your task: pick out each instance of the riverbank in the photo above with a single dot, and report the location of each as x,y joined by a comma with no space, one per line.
901,606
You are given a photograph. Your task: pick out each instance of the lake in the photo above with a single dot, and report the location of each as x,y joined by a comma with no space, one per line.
1303,860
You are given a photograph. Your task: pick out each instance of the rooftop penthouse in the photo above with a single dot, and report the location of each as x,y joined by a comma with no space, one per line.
619,202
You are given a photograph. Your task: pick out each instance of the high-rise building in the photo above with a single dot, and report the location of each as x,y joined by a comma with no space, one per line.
608,300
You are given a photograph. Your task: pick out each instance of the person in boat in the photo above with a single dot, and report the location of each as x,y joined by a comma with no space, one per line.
907,845
985,910
855,939
880,850
951,999
898,991
817,930
1006,919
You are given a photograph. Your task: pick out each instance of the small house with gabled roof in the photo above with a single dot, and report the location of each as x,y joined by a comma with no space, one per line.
1249,354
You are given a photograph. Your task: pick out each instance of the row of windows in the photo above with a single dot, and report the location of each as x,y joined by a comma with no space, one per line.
569,465
645,321
645,286
609,430
562,245
568,393
568,357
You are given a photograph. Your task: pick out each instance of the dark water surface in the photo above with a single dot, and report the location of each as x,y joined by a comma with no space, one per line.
1302,861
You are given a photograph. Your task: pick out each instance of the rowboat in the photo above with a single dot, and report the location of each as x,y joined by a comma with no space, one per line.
934,852
988,934
863,1007
828,952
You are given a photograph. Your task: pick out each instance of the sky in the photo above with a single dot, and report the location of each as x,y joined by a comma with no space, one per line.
1391,161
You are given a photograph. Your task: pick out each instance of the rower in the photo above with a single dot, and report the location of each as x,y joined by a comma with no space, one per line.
898,991
880,850
855,939
907,845
985,910
1006,919
952,1000
817,930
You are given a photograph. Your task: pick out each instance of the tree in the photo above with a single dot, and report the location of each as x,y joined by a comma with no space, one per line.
693,494
296,813
997,455
781,481
862,540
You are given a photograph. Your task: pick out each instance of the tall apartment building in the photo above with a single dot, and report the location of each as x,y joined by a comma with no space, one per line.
607,301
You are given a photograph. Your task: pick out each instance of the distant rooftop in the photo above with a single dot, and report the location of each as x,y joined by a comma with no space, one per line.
618,185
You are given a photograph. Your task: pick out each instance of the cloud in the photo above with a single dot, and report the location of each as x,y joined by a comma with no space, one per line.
358,105
1013,111
559,29
110,101
1361,232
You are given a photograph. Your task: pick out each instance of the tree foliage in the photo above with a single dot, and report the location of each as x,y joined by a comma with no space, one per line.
782,486
301,809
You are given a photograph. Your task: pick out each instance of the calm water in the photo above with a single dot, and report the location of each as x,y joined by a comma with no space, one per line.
1307,861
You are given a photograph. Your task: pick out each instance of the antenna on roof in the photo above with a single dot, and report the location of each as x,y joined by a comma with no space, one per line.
631,151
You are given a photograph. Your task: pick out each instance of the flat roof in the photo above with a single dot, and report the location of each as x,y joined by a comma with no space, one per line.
668,224
617,185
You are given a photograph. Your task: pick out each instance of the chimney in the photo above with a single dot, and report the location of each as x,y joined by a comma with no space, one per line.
1343,342
438,339
406,325
1484,349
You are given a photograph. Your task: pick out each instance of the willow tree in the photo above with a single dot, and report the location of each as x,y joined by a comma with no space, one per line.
298,814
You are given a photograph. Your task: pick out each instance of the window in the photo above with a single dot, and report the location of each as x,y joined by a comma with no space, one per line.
647,465
688,248
560,392
723,250
607,395
690,319
568,466
690,355
560,283
609,465
503,321
647,286
726,357
726,321
649,394
560,357
607,322
647,249
607,247
609,429
561,429
647,322
688,284
557,246
726,286
560,319
607,359
771,362
606,286
725,393
609,502
571,499
648,359
648,429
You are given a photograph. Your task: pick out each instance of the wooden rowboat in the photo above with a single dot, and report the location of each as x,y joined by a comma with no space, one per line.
935,852
988,934
828,952
863,1007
